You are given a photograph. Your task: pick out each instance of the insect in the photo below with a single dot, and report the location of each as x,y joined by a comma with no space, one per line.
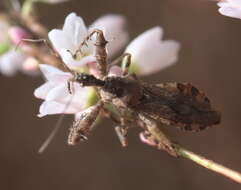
139,104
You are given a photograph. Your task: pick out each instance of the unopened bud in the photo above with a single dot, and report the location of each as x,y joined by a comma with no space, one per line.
30,65
17,34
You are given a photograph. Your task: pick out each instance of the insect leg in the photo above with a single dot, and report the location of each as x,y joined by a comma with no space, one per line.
163,142
70,86
35,51
122,133
126,62
100,50
122,125
84,124
45,41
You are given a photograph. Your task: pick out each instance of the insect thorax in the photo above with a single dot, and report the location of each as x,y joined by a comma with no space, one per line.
120,91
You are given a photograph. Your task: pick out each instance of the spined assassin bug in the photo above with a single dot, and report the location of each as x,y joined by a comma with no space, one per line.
140,104
137,104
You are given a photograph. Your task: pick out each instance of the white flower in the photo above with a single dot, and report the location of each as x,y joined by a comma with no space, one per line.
231,8
150,53
55,93
11,62
67,41
114,31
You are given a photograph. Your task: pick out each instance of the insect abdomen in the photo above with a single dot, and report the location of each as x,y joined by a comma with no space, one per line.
178,104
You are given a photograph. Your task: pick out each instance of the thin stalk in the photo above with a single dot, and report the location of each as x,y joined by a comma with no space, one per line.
180,151
209,164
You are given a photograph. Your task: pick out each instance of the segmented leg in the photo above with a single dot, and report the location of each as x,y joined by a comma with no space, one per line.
122,133
123,125
84,124
70,86
63,66
155,134
100,50
70,82
45,41
125,65
125,60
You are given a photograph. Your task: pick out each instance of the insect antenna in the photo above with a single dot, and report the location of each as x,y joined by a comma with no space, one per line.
55,129
45,41
50,47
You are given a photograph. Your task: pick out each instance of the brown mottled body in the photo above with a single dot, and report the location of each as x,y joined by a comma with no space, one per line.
178,104
141,104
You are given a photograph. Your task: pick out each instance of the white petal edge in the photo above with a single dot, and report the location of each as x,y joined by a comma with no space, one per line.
59,40
74,27
115,32
51,108
53,74
227,9
71,62
150,54
42,91
60,94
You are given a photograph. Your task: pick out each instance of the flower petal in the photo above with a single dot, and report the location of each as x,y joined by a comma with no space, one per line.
150,53
71,62
74,27
231,9
42,91
51,107
53,74
60,40
61,94
114,31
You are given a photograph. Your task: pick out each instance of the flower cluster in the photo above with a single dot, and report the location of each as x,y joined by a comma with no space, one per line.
149,54
12,59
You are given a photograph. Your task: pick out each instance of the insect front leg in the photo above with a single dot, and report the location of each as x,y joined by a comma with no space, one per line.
100,50
70,82
84,124
156,135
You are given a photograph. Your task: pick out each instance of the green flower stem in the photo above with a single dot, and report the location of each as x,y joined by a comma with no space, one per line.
209,164
180,151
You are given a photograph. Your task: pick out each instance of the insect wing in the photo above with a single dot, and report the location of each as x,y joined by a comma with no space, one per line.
178,104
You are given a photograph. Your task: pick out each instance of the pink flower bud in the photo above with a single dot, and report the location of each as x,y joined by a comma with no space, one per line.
30,65
17,33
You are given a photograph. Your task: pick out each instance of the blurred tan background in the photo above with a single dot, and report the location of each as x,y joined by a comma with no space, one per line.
210,58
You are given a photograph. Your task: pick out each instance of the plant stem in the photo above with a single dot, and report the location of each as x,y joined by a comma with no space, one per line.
209,164
180,151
